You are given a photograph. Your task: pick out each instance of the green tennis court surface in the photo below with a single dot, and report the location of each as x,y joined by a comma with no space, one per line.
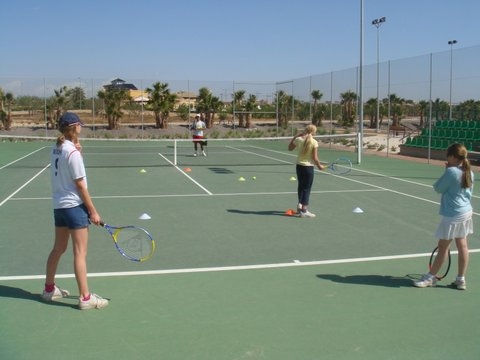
232,276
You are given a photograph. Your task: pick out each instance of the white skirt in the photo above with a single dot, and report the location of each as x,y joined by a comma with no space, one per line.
455,227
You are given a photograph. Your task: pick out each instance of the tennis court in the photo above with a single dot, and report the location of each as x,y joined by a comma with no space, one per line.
233,277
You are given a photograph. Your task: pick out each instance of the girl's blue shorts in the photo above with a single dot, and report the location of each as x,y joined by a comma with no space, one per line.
72,218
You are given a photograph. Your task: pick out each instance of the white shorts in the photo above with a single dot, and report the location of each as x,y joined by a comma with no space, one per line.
455,227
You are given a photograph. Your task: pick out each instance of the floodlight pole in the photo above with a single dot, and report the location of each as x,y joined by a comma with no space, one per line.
451,43
377,23
360,91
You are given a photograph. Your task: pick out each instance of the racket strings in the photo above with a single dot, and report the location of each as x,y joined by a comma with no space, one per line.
134,243
341,166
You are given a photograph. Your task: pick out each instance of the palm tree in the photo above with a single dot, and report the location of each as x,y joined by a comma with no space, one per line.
161,102
114,100
441,109
183,111
208,104
57,106
348,101
76,97
396,109
370,110
469,109
316,96
284,106
9,100
238,97
249,107
422,108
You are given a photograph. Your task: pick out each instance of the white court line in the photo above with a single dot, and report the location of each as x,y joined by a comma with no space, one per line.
21,187
294,263
204,195
370,173
357,181
23,157
188,176
260,155
380,188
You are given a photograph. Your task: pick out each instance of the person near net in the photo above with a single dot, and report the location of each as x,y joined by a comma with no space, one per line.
198,127
307,159
455,187
73,211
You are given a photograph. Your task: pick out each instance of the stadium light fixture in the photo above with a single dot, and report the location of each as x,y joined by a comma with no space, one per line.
451,43
377,23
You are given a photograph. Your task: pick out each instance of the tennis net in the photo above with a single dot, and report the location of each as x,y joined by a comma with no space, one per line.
180,152
257,151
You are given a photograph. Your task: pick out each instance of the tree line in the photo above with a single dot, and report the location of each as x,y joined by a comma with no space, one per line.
113,103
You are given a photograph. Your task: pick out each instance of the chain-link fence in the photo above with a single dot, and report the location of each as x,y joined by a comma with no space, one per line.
420,90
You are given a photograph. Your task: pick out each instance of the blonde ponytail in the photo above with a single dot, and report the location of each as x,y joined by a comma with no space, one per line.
310,130
459,151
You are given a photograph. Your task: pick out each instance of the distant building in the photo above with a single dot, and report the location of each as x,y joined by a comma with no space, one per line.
133,92
119,84
186,98
183,97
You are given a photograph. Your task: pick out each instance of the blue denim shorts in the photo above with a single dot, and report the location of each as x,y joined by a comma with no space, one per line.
72,218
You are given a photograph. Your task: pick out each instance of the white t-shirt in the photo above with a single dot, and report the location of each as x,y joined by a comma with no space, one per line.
66,167
198,127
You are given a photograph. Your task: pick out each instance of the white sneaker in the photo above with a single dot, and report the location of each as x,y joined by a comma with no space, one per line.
307,214
426,281
95,302
459,284
57,293
203,153
299,208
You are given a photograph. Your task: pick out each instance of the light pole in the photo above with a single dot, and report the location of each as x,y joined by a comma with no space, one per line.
377,23
451,43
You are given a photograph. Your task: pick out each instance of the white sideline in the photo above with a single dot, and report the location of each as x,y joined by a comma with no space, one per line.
294,263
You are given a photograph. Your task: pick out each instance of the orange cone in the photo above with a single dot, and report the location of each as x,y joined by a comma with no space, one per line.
290,212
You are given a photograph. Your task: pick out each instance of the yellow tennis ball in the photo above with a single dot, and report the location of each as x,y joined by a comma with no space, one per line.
254,178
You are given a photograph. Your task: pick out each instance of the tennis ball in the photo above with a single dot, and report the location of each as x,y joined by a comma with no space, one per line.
254,178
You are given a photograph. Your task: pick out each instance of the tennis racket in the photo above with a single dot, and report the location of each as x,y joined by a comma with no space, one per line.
132,242
341,166
445,266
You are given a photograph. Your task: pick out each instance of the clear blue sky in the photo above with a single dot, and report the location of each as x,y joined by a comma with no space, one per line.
254,40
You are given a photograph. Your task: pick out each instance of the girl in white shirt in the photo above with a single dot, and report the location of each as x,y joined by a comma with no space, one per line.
73,212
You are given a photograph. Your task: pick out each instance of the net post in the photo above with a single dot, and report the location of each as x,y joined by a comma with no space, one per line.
359,147
175,152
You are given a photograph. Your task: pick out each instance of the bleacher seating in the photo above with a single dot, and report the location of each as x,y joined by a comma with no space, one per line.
446,132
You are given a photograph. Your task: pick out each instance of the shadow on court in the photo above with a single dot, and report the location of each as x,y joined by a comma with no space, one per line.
372,280
263,212
17,293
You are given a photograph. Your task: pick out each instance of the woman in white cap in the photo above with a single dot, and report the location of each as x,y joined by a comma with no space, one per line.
73,212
